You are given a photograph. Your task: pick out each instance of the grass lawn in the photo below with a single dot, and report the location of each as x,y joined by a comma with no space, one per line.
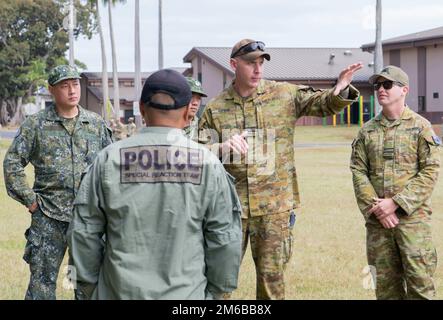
329,254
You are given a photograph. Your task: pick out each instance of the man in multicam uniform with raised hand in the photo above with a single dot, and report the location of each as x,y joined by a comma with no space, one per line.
255,109
395,165
60,142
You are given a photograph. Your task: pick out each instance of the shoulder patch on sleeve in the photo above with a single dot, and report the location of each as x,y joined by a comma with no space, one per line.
431,138
437,140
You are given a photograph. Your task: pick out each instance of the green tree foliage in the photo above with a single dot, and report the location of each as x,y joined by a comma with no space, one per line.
32,41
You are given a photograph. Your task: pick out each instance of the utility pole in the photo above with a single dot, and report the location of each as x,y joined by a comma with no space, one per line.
137,75
378,53
160,36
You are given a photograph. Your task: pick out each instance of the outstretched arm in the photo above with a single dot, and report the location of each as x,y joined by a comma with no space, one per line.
345,77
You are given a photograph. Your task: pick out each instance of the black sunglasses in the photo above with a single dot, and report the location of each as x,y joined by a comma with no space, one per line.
249,47
387,85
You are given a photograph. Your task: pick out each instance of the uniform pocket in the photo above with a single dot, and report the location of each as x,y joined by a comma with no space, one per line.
288,238
430,259
33,243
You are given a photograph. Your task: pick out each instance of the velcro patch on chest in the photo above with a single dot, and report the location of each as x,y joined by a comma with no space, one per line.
161,164
53,129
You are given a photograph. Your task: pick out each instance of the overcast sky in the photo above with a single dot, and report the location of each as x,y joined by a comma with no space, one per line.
279,23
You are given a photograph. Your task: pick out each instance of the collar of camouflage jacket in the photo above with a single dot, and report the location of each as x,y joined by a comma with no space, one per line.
53,116
406,115
231,94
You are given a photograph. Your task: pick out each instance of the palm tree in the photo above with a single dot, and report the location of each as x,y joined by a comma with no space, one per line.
378,54
71,32
104,65
116,108
160,36
137,77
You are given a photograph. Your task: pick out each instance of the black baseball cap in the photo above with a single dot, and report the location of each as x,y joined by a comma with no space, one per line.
170,82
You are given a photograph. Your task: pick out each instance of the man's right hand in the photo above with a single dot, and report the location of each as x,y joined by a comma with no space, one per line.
236,144
33,207
390,221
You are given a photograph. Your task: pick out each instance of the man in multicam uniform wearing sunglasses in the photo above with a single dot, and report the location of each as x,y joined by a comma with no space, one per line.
395,164
254,108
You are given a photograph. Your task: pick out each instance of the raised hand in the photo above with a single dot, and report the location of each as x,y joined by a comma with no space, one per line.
345,77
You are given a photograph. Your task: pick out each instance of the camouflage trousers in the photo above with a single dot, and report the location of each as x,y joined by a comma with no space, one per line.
271,246
404,258
44,252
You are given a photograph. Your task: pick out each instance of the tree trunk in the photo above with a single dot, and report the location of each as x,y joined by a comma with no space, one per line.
3,113
378,54
15,111
114,67
104,65
137,77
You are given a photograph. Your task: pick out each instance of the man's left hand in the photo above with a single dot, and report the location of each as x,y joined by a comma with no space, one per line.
383,208
345,77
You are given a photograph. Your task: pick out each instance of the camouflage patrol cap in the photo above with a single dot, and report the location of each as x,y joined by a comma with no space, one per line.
249,49
61,73
196,86
391,73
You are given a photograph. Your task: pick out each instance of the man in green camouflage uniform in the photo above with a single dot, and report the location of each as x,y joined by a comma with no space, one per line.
60,142
260,115
197,94
395,165
168,208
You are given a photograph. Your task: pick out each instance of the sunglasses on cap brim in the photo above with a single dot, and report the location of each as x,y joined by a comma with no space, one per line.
250,47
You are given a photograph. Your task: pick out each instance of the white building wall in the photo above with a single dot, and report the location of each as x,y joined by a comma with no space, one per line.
408,63
434,78
386,61
212,80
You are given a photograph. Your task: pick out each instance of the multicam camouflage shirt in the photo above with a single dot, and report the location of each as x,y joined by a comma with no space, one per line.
266,179
396,159
58,157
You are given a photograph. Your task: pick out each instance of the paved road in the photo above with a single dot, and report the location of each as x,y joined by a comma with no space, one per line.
7,134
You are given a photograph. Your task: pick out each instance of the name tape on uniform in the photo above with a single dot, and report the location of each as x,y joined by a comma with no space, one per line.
161,163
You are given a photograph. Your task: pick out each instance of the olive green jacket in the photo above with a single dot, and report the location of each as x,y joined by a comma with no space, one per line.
170,216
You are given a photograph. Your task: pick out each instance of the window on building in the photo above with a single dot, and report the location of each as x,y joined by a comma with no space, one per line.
394,57
435,95
421,104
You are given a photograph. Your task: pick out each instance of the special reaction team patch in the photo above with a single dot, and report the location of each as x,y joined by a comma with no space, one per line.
161,163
